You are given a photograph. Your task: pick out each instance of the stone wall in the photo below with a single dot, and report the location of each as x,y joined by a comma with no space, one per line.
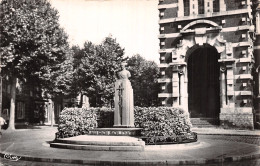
240,118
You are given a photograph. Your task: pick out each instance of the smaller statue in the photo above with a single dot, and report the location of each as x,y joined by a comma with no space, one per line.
124,106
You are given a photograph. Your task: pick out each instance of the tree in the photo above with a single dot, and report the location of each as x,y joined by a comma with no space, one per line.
83,77
108,59
144,75
94,70
31,43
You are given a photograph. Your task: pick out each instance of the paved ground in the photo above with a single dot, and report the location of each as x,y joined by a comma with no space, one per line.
220,131
227,147
254,162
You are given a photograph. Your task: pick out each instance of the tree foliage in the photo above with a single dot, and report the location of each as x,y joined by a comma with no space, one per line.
31,42
83,69
144,75
109,59
94,68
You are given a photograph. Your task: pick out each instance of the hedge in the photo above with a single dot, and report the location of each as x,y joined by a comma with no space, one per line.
78,121
163,122
105,117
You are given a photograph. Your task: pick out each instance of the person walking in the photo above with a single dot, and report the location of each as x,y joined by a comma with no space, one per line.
2,122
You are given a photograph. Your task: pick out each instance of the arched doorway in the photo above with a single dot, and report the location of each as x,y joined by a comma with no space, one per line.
203,81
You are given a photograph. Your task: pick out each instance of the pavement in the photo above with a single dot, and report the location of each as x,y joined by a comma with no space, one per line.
221,131
214,147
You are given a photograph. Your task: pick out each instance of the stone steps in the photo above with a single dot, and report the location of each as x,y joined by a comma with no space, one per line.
97,147
100,143
204,122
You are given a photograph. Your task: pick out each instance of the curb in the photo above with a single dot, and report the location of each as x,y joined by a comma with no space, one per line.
136,162
227,134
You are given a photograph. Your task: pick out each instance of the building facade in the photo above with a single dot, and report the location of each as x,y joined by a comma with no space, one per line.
209,59
31,107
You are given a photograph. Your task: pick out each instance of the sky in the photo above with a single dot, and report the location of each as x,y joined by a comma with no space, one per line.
134,23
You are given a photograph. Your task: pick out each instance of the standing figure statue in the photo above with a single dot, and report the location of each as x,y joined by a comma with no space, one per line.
124,104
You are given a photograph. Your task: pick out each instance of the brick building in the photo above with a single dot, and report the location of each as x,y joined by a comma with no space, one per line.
31,107
209,59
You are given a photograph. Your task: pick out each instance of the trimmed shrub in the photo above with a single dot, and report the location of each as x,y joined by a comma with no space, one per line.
76,121
162,124
105,117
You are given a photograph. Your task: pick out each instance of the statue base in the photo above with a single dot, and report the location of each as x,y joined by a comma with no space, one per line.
122,131
100,143
123,126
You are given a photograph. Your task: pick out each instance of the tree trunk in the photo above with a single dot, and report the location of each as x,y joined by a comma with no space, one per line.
1,87
81,100
52,117
52,112
1,90
12,104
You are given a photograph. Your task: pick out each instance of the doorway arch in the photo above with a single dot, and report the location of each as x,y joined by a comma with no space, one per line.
203,85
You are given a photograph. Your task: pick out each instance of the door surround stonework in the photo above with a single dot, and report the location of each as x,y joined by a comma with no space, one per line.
192,37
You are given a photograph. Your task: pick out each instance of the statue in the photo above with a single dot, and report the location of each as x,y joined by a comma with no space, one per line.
124,105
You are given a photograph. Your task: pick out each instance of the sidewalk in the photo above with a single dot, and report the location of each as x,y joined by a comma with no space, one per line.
220,131
33,145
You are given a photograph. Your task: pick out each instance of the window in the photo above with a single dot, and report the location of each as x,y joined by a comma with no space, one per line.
8,89
201,6
58,109
186,7
215,5
20,110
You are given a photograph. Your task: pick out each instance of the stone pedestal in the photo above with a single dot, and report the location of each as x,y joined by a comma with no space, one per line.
100,143
116,131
